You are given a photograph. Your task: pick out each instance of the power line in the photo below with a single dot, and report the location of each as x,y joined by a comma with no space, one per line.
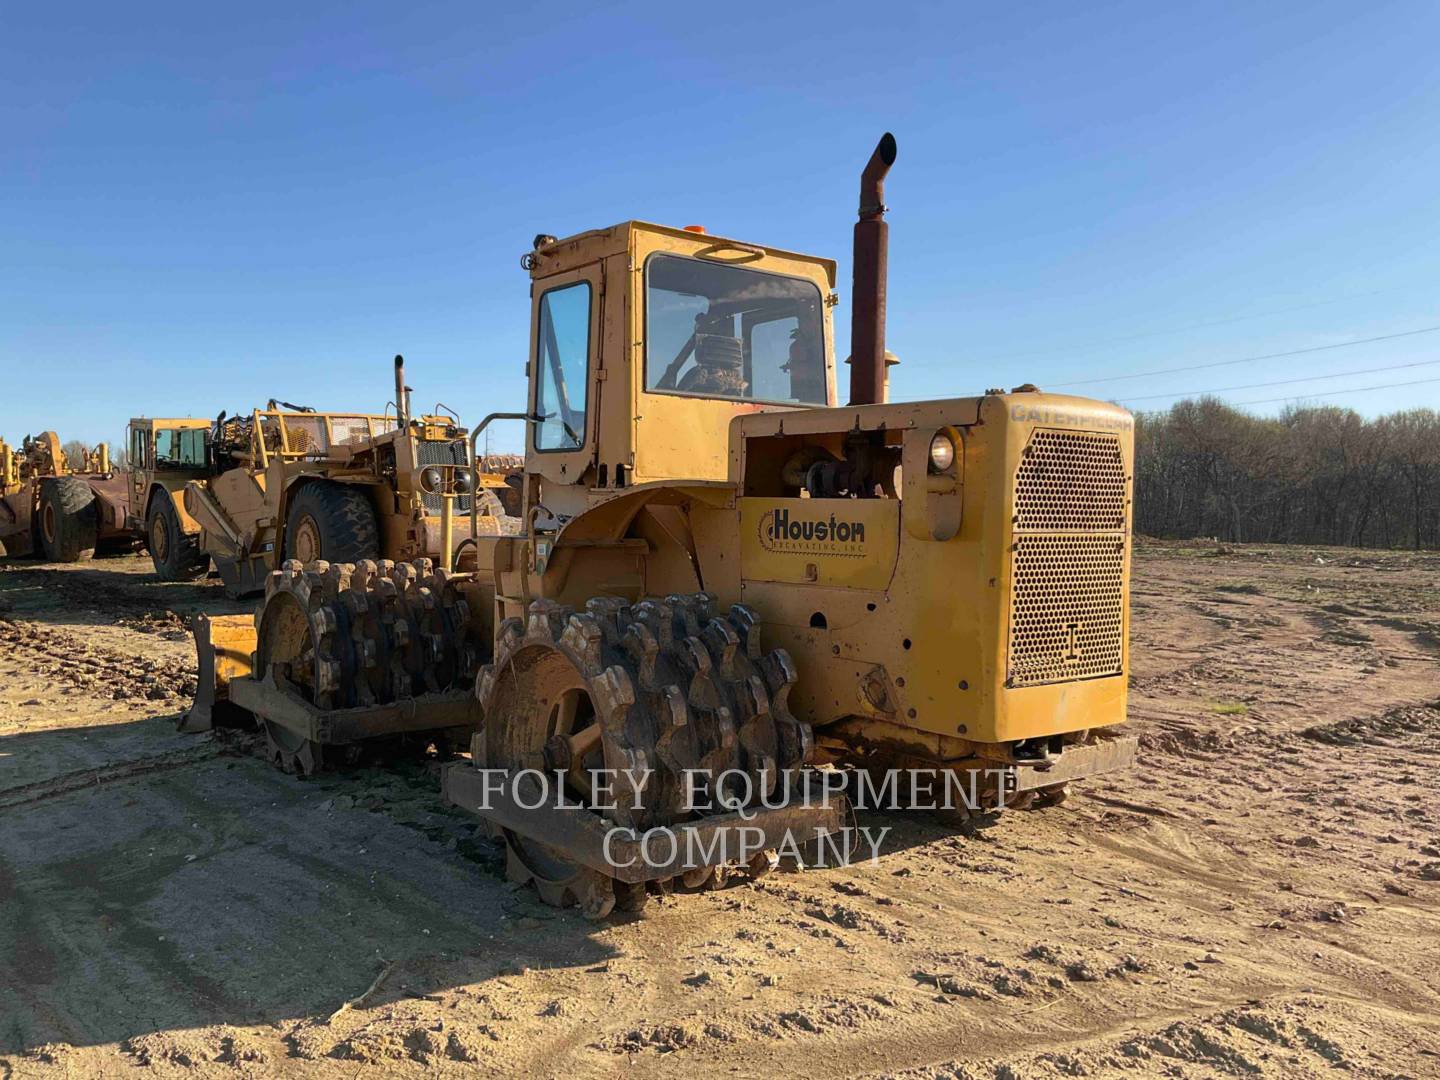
1253,359
1191,326
1333,393
1284,382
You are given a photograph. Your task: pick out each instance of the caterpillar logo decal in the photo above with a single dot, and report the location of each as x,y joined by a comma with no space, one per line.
787,533
1029,414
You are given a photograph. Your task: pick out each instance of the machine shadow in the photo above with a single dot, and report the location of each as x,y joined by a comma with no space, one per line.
204,887
208,888
97,595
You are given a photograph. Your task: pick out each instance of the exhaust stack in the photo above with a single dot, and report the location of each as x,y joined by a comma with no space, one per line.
402,393
867,294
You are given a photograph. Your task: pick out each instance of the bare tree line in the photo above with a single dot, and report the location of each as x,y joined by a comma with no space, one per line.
1312,475
75,452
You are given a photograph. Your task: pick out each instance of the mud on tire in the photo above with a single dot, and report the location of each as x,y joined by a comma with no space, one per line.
67,521
344,635
176,554
665,688
337,519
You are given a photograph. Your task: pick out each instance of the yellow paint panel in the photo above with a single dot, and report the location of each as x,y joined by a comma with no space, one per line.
849,542
166,423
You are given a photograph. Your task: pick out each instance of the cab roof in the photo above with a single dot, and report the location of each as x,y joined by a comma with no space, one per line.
615,240
186,422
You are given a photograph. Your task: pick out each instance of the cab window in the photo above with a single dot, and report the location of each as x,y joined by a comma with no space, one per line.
713,330
138,449
180,449
562,352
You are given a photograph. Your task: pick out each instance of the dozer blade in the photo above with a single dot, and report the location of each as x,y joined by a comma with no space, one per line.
223,646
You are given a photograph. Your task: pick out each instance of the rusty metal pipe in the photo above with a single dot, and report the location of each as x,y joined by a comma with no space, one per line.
867,294
402,395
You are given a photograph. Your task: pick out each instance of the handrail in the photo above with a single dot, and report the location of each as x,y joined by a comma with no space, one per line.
375,424
529,418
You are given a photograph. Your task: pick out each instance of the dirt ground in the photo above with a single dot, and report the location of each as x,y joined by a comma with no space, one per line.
1261,897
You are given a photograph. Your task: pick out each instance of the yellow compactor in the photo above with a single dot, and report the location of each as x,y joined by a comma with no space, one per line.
722,568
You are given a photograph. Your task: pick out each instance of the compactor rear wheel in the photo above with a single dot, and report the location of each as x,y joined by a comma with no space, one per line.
650,690
963,816
344,635
67,519
1053,795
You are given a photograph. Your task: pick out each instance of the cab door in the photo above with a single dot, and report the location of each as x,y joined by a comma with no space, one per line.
139,452
565,326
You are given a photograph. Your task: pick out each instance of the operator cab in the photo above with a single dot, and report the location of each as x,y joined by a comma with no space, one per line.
165,451
169,445
648,340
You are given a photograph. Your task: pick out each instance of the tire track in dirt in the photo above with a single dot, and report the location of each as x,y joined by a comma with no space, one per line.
99,776
1049,968
95,669
1237,1034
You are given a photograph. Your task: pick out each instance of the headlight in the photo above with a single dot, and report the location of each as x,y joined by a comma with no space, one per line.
461,483
942,453
431,480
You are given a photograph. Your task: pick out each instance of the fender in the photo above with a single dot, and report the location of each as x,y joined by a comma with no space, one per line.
638,541
188,524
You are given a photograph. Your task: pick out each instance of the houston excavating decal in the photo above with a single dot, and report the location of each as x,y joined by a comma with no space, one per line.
787,533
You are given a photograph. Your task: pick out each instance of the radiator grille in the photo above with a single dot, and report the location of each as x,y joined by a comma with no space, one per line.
1067,608
1070,480
438,452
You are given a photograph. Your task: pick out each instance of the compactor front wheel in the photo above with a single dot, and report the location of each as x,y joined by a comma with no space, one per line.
661,691
290,752
341,636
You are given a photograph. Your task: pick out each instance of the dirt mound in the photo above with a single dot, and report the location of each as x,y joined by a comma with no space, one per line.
1276,1040
1398,725
165,623
164,1051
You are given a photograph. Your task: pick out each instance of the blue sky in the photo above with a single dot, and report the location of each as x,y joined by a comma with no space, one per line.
201,208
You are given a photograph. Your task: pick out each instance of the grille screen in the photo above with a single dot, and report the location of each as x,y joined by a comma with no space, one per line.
1070,480
1067,614
306,435
355,429
436,452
